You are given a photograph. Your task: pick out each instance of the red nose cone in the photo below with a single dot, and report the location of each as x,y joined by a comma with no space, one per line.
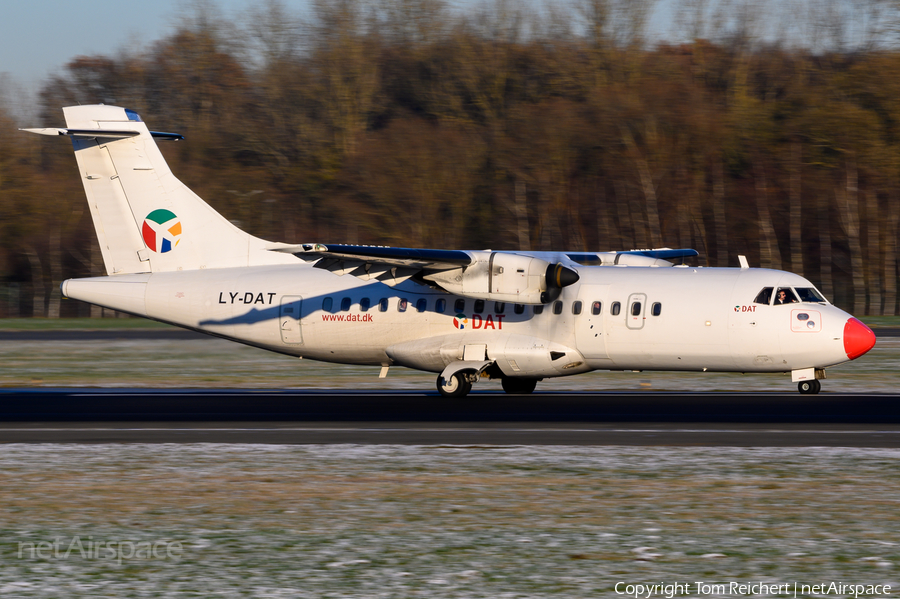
858,338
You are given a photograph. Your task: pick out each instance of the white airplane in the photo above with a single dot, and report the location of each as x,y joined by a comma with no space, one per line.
466,315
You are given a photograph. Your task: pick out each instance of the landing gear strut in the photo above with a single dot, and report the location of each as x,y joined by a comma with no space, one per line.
457,385
809,387
518,385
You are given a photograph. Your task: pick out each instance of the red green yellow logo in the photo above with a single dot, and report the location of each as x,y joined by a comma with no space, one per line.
161,230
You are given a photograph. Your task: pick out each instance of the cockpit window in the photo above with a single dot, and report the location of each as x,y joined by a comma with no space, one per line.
785,295
765,296
132,115
810,295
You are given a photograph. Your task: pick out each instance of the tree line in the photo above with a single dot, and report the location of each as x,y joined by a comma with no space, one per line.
403,122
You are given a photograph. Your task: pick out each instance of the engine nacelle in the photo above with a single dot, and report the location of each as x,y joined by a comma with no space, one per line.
507,277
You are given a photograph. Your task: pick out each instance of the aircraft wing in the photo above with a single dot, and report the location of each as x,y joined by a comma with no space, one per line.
526,277
483,274
413,257
391,265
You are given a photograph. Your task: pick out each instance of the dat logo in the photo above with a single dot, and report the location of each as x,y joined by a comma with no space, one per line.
745,308
491,321
161,231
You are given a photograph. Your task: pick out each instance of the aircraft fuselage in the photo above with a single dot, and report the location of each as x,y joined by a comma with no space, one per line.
677,318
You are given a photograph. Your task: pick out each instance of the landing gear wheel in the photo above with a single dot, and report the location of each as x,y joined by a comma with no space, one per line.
518,385
457,385
809,387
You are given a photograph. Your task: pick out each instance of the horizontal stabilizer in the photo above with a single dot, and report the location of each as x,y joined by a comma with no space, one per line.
102,133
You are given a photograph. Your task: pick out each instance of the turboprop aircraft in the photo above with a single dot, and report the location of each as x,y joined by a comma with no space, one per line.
466,315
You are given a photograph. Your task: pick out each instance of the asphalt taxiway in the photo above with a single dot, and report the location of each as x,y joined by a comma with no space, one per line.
366,417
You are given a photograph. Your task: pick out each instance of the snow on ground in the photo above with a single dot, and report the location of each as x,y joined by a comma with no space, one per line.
402,521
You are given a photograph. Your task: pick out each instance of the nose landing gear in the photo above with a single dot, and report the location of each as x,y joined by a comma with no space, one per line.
457,384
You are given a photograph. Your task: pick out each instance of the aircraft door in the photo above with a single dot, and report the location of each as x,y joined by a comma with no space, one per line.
289,319
590,338
637,307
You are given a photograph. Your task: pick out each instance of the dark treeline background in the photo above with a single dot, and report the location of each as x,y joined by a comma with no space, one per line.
405,122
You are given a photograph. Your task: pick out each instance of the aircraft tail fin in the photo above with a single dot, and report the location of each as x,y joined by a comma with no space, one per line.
146,219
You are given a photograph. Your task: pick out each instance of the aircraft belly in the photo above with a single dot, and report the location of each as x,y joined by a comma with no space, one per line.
527,356
429,354
669,356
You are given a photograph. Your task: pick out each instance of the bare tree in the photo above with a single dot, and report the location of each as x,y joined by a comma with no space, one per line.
891,230
692,18
796,214
770,255
412,23
847,196
718,201
873,258
645,177
825,251
521,209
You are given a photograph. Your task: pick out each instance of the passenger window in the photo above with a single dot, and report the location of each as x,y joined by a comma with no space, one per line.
636,309
576,307
557,307
460,305
499,307
785,295
810,294
364,304
596,307
421,305
656,309
326,304
440,306
538,309
402,305
479,306
345,304
383,304
519,309
764,297
615,309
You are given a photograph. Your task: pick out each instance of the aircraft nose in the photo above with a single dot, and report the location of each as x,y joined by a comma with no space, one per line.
858,338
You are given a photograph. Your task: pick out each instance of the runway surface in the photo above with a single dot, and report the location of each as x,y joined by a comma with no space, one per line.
366,417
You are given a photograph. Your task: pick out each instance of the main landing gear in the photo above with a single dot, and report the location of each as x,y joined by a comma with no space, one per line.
518,386
809,387
460,383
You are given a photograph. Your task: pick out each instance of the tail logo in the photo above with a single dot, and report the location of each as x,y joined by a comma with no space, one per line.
161,231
